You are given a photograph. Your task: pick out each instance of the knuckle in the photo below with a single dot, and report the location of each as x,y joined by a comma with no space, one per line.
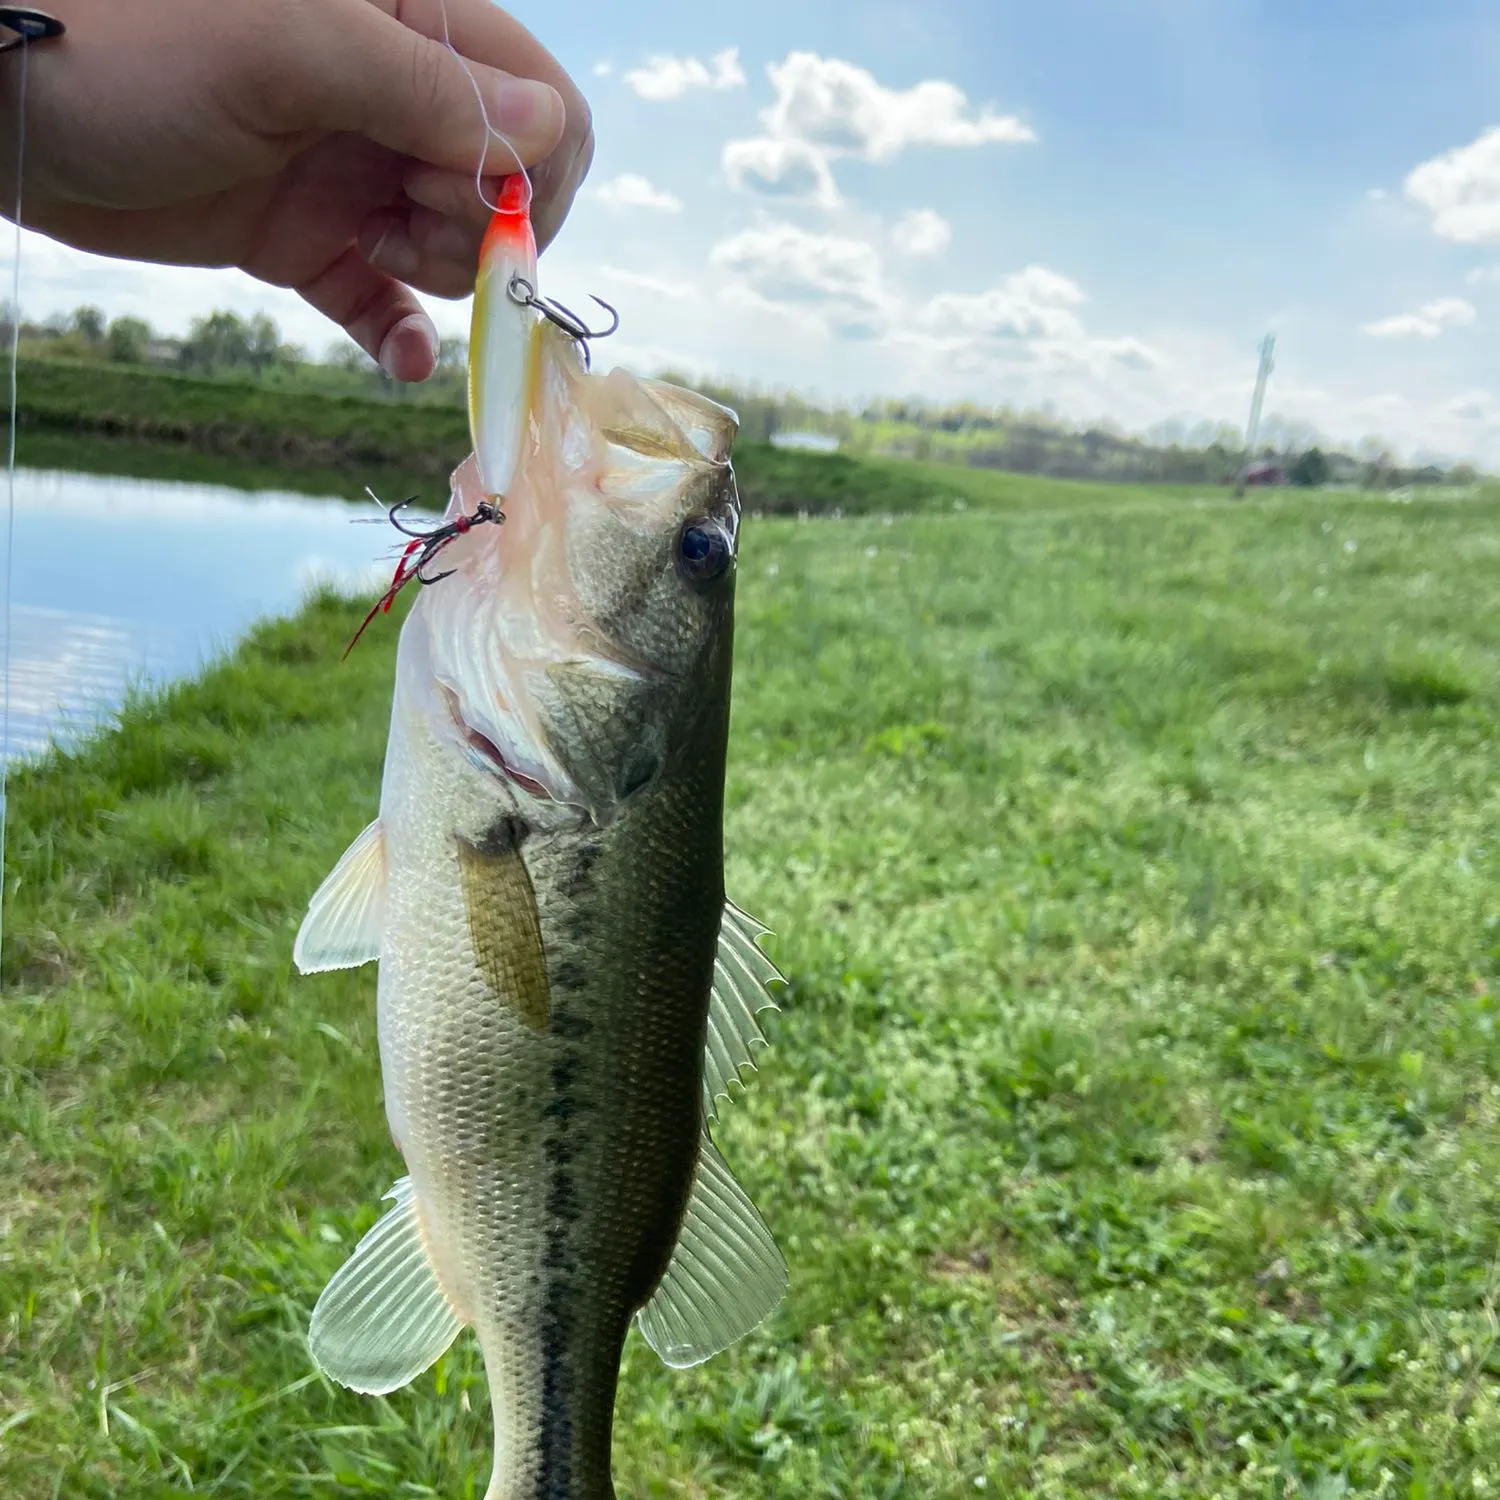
430,77
266,65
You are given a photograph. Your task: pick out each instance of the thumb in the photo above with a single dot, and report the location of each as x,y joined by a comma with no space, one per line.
364,72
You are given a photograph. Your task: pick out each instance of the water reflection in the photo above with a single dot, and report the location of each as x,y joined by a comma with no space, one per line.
122,581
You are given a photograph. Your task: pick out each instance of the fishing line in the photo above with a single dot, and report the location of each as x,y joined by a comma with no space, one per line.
490,130
10,465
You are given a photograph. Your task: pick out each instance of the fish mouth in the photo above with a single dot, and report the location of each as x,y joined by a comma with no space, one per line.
484,753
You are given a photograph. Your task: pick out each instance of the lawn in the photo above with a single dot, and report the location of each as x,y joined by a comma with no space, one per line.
1133,1127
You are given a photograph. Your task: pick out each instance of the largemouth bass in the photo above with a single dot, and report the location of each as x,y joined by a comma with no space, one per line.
564,993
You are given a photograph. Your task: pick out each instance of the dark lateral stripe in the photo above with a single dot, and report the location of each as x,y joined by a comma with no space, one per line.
555,1441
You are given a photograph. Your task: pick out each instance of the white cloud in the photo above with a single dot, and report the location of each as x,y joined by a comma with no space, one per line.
826,108
1461,189
1427,322
670,77
1033,303
1030,318
1483,275
1472,406
631,190
1025,328
790,169
1376,194
844,108
836,281
677,291
921,232
603,69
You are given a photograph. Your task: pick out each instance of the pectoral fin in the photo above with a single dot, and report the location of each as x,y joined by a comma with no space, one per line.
342,927
383,1319
504,926
726,1274
742,974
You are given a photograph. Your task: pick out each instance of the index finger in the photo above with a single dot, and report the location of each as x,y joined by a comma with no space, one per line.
486,34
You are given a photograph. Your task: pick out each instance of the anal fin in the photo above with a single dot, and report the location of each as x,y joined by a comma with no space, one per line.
726,1274
383,1319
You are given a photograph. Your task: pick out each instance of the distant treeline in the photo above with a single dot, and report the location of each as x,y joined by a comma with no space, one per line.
225,346
1030,442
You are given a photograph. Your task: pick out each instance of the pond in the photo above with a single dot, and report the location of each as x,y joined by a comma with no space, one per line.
130,582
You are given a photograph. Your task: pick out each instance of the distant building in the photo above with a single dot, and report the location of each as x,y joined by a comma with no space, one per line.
1265,474
811,442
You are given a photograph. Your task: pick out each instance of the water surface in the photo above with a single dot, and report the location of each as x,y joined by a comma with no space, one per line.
119,582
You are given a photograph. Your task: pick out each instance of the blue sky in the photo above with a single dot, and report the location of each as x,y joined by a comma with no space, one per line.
1094,205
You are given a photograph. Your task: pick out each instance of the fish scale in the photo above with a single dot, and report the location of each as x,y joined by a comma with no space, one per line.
556,1162
563,993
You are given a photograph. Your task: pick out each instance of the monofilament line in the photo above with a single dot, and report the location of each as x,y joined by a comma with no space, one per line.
489,129
10,479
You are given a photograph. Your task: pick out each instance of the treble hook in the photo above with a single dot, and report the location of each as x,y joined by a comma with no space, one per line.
392,511
521,292
420,550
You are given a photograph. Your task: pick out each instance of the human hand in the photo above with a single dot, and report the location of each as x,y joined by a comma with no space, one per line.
330,146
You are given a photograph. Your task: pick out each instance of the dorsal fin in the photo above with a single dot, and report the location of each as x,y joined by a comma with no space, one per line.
742,976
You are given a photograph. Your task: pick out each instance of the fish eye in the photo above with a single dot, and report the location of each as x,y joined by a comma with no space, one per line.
704,550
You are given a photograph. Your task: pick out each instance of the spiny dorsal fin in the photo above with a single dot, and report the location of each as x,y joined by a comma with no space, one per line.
383,1319
742,973
342,927
726,1274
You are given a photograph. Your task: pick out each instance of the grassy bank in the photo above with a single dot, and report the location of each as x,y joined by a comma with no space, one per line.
143,421
1134,1127
239,420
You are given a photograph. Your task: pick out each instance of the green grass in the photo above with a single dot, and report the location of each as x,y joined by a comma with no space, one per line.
1134,1126
244,420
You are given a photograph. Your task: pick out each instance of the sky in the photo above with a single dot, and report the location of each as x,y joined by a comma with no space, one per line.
1095,208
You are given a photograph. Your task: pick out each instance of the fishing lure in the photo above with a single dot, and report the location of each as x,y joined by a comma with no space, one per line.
504,362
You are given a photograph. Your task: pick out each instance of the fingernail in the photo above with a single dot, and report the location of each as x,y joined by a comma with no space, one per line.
581,161
557,198
526,113
389,252
409,351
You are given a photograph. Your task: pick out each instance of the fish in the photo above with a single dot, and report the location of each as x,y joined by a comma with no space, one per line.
565,996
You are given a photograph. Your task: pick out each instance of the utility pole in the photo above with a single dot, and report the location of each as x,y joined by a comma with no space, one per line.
1252,427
